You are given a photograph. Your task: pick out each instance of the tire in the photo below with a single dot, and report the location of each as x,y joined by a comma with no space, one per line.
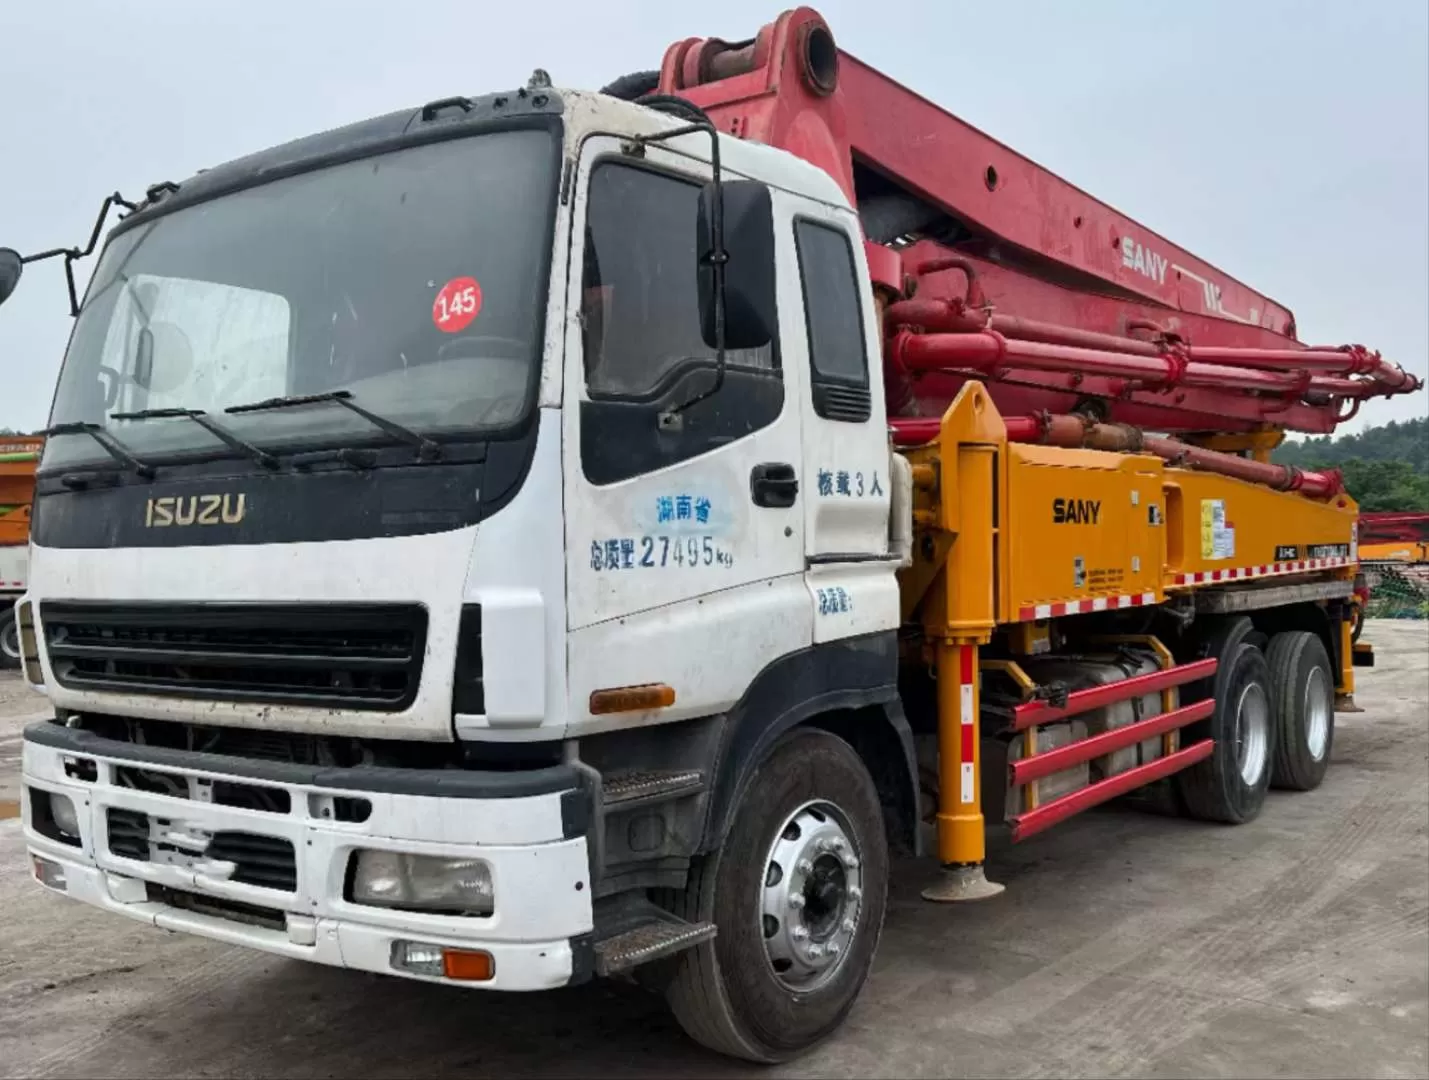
726,993
1230,785
9,638
1302,687
1357,625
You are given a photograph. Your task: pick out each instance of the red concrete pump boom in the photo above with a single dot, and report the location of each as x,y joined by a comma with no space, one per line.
1394,526
989,266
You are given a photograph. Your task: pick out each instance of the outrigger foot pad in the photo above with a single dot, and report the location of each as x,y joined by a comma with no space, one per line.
958,883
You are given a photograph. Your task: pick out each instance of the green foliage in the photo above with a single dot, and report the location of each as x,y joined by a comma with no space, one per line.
1395,441
1386,468
1387,485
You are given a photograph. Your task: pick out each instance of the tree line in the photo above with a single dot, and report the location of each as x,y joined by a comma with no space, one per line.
1385,467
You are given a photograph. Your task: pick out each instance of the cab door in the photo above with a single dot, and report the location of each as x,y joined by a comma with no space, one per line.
684,526
851,581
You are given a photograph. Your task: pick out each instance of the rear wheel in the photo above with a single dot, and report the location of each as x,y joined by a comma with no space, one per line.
798,892
9,638
1303,688
1230,785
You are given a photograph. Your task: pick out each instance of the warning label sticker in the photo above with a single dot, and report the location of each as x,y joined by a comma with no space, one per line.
1217,534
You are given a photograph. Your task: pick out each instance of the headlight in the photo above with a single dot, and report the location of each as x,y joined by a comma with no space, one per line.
63,814
423,883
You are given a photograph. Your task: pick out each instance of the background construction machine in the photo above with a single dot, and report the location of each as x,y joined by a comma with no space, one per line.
19,456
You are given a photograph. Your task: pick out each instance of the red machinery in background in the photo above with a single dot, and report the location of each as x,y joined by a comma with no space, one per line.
1394,526
989,266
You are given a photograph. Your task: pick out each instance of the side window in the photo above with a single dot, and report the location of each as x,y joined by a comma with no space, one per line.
834,318
640,311
640,330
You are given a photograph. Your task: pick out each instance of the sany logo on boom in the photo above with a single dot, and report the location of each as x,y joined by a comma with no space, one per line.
1148,263
1143,260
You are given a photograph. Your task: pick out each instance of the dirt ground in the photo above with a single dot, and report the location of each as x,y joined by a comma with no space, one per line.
1126,945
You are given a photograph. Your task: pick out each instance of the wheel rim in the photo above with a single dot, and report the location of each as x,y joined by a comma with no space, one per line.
811,899
1317,713
10,640
1252,733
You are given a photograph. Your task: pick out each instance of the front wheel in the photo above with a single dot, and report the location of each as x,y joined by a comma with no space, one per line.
9,637
797,891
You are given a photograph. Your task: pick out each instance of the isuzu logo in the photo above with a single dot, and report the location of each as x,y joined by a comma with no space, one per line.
180,510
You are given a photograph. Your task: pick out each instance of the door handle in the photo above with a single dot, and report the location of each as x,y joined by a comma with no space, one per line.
773,484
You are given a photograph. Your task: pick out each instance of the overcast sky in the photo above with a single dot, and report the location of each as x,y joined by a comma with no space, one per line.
1286,142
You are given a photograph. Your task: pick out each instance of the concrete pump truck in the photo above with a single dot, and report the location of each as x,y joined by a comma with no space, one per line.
549,534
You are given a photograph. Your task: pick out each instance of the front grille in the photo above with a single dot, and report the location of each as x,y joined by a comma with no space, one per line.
364,656
265,861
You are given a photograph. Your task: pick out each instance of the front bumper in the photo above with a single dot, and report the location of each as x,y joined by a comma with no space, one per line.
530,827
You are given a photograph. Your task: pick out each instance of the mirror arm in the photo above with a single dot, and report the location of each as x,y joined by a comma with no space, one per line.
672,418
71,254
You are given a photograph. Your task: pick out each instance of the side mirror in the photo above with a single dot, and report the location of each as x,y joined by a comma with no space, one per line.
750,314
11,267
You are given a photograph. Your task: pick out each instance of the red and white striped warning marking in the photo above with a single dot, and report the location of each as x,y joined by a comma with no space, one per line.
1264,570
1084,607
1202,577
967,715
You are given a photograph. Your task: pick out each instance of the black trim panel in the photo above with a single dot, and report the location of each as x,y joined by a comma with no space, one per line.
835,557
332,502
447,783
854,673
621,438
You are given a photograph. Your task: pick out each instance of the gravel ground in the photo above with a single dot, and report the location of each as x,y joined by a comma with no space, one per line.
1126,945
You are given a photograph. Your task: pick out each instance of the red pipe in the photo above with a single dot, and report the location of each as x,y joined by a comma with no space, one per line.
1048,814
987,350
951,316
1212,366
1074,431
1053,334
1107,742
1346,360
1314,485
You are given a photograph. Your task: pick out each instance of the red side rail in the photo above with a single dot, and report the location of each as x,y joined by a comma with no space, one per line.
1045,816
1044,712
1064,757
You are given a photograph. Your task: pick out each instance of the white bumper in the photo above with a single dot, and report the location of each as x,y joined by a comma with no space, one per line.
540,872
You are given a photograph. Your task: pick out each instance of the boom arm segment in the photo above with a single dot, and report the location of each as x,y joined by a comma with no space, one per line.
991,241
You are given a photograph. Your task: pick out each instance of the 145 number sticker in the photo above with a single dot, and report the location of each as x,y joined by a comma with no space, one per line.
456,305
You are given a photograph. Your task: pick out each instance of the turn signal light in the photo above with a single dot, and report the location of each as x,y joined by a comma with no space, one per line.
632,698
471,966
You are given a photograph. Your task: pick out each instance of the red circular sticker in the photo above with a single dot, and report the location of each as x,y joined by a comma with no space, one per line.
456,305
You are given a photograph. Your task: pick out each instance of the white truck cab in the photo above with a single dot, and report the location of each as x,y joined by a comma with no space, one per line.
418,590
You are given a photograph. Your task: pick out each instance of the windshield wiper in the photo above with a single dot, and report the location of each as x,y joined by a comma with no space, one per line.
113,446
217,430
427,449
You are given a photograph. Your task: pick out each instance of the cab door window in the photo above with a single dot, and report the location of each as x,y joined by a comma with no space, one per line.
834,320
640,328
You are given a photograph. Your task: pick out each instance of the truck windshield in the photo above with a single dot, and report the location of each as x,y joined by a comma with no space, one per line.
411,279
